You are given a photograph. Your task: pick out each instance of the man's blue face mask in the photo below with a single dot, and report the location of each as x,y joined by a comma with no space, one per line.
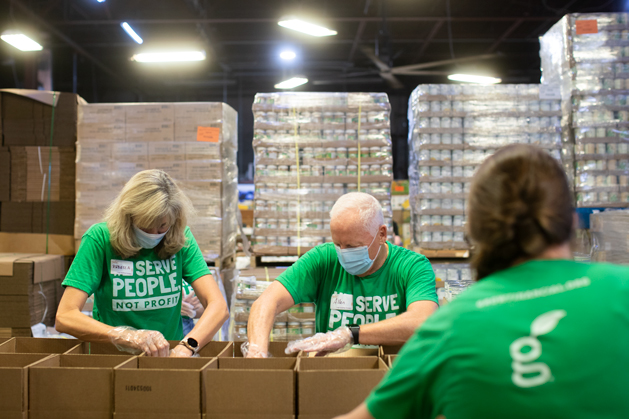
356,260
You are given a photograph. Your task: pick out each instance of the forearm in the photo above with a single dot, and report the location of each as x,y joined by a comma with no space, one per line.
393,331
261,319
213,317
83,327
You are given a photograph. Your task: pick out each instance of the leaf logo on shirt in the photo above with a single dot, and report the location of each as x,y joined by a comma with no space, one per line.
537,373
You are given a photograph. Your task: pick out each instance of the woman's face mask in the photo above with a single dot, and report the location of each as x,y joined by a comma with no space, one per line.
356,260
147,240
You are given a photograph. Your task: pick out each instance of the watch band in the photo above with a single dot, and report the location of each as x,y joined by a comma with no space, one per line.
355,329
185,343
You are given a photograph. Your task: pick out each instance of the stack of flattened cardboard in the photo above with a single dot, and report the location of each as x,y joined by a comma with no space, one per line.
30,288
37,180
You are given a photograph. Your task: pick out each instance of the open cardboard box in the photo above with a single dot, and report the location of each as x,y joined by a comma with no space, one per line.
390,350
75,386
390,359
211,350
327,387
246,388
214,349
276,349
38,345
161,388
352,353
14,383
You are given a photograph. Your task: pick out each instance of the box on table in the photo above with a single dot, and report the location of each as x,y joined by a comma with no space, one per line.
352,353
276,349
75,386
14,383
161,387
38,345
390,359
241,388
390,350
213,349
327,387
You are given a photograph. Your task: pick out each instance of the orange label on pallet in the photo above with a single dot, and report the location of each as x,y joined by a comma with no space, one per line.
208,134
586,26
399,188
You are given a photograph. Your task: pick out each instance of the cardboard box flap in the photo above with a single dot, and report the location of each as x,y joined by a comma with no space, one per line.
42,96
45,267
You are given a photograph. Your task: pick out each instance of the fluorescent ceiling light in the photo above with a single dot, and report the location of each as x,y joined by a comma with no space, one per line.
101,1
20,41
291,83
169,56
469,78
287,55
129,30
305,27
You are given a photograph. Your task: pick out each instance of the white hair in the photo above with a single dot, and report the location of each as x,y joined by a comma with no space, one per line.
364,206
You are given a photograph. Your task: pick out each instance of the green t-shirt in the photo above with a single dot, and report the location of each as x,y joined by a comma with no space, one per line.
187,290
342,299
143,292
547,338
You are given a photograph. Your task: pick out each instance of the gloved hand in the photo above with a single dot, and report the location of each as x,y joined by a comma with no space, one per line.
339,340
188,310
252,350
181,351
128,339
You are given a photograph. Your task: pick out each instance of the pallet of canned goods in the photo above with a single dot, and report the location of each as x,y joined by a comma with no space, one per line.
456,277
452,130
311,148
586,57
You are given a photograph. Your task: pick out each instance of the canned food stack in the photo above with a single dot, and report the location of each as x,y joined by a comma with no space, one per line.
609,231
297,322
452,130
311,148
195,143
586,58
456,277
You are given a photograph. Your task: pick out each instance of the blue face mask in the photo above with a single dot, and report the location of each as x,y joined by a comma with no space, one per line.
147,240
356,260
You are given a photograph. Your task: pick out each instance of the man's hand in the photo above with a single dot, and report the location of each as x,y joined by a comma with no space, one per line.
323,343
251,350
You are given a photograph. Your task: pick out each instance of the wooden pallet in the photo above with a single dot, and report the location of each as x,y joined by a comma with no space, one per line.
272,260
224,262
443,253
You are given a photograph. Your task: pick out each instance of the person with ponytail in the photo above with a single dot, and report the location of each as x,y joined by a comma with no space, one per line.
538,335
135,264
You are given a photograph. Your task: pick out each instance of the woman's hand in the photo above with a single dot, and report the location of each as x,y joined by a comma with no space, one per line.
128,339
181,351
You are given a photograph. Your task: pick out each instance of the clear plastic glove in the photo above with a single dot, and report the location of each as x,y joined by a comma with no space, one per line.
188,310
128,339
181,351
253,351
339,340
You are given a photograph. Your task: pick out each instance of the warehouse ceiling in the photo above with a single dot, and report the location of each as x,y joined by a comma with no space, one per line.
91,52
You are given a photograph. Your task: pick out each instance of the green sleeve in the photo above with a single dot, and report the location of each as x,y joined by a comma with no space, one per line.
420,280
303,277
86,271
194,265
405,392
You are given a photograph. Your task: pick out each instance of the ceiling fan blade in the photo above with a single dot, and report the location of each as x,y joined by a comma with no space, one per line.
370,53
422,73
395,70
393,81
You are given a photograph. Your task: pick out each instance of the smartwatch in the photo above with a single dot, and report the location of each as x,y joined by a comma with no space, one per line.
355,329
191,344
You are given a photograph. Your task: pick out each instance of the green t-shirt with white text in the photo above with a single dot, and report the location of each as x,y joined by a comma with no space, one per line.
547,339
144,291
342,299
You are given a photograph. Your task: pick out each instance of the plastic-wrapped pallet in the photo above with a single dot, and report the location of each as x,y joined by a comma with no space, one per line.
297,322
456,277
195,143
311,148
452,129
586,57
610,236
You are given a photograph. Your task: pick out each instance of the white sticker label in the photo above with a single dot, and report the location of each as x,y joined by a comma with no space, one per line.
549,92
121,267
342,302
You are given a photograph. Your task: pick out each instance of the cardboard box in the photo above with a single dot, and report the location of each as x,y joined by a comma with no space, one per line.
9,332
75,386
5,174
161,387
390,359
33,217
14,383
54,244
276,349
213,349
242,388
390,350
352,353
327,387
38,346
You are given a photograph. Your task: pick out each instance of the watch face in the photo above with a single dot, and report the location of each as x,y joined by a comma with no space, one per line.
192,342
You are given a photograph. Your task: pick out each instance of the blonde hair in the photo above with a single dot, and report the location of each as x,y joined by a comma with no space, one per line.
364,206
145,200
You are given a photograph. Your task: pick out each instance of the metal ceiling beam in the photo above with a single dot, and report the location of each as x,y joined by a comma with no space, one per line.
429,38
274,20
359,34
504,35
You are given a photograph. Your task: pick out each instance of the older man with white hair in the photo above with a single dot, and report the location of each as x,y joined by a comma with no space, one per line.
366,290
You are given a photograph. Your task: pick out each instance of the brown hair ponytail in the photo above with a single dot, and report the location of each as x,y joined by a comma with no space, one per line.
519,205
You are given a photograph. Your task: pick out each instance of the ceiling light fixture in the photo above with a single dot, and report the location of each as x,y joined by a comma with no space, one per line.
288,55
169,56
20,41
305,27
129,30
469,78
101,1
291,83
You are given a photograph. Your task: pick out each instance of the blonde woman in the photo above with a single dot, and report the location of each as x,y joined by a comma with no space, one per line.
134,264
